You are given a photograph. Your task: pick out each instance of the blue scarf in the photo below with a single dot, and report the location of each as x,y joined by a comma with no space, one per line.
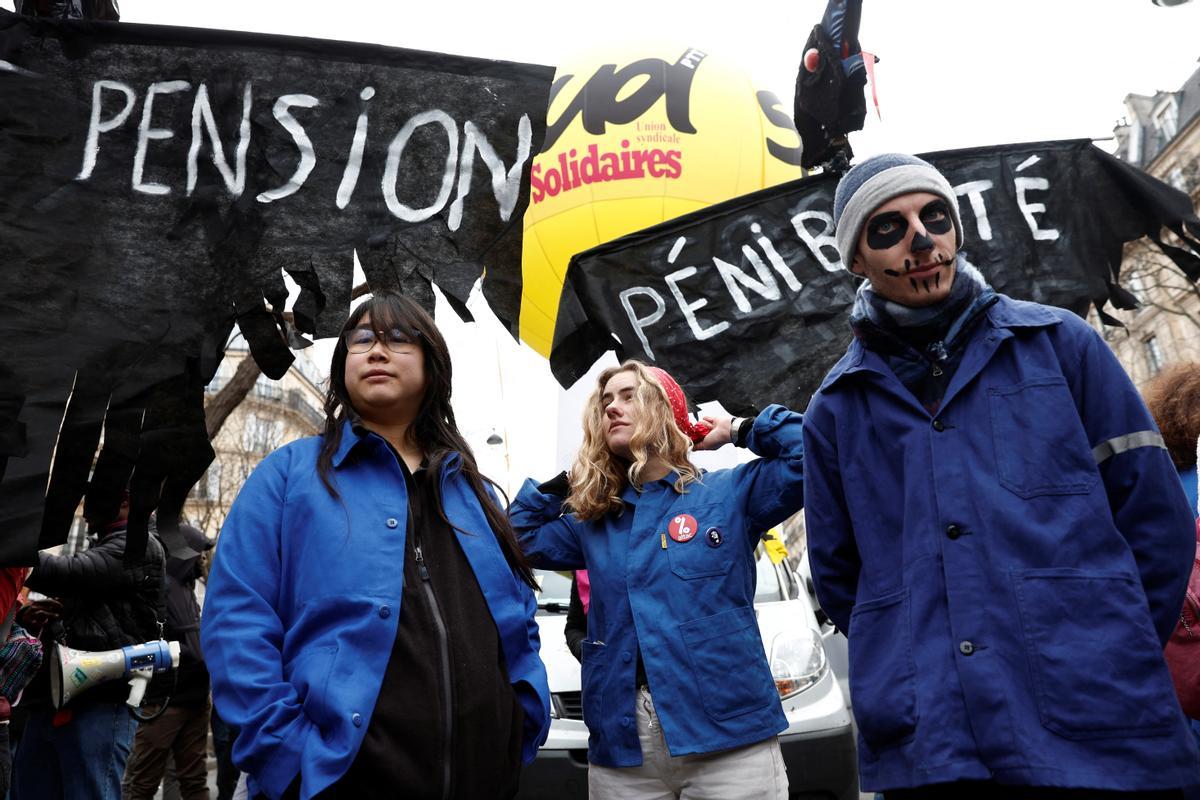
924,346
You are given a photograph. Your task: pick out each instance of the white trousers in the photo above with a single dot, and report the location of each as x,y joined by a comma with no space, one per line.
753,772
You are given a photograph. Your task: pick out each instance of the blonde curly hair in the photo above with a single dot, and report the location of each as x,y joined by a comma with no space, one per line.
598,475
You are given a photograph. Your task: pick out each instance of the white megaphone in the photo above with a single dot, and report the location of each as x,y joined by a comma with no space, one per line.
75,671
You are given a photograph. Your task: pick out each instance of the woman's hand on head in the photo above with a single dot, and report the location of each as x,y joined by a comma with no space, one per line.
720,435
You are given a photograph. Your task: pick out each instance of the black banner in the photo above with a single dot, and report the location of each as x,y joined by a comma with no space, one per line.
154,184
746,302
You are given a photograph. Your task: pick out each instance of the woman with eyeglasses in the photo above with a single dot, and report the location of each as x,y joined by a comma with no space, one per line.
369,622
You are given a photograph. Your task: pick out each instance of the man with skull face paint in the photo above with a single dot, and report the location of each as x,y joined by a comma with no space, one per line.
994,522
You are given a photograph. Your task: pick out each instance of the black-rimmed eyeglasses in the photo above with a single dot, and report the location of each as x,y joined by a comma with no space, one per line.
361,340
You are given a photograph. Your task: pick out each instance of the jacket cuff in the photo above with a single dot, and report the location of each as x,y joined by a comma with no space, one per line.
284,764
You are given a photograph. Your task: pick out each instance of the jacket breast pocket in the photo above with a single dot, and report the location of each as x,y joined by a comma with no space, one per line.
1096,662
710,546
1041,447
883,675
729,663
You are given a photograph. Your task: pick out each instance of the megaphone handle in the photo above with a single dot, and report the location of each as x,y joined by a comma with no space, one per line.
137,686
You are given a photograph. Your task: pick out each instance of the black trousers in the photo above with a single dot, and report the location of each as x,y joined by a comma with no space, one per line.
989,790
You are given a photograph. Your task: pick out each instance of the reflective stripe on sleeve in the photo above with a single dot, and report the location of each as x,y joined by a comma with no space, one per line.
1129,441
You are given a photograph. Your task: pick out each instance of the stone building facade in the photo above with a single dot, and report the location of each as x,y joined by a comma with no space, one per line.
273,414
1160,134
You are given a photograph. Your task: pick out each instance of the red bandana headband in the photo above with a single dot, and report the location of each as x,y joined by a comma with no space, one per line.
693,430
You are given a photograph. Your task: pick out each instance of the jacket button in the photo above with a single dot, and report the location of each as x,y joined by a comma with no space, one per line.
385,612
626,722
627,656
356,719
966,648
391,523
953,531
938,425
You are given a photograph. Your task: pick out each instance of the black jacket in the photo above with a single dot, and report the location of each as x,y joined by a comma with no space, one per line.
106,604
186,686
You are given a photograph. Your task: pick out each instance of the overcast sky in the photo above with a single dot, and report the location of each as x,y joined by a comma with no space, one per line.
951,74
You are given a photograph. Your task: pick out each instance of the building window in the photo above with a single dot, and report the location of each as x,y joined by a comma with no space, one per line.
1154,356
1177,179
268,389
209,487
1165,120
1136,285
261,435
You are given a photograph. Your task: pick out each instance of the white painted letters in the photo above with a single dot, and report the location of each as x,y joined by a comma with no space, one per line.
974,193
506,185
392,169
146,133
235,177
641,323
308,158
97,126
1023,185
354,162
229,157
689,309
773,256
765,285
817,243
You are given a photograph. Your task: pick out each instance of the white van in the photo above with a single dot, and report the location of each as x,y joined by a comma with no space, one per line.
818,745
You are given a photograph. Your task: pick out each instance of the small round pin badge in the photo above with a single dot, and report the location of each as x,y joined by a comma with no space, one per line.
713,537
682,527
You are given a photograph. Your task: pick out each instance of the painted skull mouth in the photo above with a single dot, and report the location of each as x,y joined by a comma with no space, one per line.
917,271
927,277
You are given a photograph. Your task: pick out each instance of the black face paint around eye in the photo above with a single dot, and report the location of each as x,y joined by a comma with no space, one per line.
886,230
936,217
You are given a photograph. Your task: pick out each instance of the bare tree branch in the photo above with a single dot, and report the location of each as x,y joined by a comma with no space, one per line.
221,405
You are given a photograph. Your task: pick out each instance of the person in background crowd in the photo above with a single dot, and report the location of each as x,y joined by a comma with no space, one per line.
180,732
11,581
369,620
223,736
677,693
102,602
994,522
1174,399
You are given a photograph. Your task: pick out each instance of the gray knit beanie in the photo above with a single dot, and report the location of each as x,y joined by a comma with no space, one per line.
875,181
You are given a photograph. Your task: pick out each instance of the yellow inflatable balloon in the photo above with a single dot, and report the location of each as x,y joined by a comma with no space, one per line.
633,141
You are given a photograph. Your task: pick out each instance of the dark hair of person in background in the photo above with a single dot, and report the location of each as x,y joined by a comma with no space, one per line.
1174,400
434,429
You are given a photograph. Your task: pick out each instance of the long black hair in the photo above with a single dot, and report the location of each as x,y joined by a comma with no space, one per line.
434,429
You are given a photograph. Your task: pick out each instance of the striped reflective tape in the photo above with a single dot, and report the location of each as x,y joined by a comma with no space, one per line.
1129,441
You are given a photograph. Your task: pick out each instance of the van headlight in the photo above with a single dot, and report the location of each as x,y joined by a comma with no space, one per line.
797,661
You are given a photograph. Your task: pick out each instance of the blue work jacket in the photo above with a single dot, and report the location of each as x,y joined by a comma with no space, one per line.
689,605
303,604
1008,569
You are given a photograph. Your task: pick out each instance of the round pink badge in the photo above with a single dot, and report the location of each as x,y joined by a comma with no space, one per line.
682,528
